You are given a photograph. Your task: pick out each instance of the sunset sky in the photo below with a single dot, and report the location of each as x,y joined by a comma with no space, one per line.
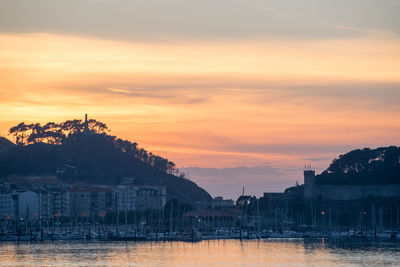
235,92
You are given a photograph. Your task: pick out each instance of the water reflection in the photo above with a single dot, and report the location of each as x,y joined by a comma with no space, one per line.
295,252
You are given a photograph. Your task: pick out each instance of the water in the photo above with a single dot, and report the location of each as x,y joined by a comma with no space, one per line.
295,252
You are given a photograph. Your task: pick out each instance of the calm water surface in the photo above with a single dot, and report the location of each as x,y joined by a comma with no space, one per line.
206,253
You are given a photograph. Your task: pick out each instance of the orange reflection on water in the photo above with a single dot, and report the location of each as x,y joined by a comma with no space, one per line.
206,253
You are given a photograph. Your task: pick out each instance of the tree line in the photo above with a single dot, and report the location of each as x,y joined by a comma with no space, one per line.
52,133
364,166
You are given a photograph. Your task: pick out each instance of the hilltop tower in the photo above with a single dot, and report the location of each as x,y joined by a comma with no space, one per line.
86,125
309,183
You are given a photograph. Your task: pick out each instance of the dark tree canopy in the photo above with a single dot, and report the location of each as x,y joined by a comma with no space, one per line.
364,167
52,133
58,134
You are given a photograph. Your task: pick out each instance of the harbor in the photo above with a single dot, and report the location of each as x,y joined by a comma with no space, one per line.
131,233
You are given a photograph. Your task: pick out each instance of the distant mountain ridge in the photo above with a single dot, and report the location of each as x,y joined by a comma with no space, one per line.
92,157
380,166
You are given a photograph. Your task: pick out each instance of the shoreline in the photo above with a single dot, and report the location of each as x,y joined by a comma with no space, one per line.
140,239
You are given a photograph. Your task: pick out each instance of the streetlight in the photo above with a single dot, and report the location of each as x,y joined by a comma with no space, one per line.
323,218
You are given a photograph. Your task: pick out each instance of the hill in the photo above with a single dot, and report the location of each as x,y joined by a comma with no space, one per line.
94,157
380,166
5,145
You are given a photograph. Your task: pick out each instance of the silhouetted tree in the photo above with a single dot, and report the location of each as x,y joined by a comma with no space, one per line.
366,166
58,134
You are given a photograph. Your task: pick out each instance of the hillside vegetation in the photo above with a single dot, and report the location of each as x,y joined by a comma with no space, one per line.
380,166
76,151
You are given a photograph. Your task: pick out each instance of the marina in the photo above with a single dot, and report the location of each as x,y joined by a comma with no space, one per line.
131,233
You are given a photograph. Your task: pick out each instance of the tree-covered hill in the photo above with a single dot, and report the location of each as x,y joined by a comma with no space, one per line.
76,151
364,167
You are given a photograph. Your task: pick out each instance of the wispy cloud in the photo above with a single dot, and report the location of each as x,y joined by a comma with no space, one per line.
225,19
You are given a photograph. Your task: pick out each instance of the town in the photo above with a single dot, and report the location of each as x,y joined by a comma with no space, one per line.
40,207
91,185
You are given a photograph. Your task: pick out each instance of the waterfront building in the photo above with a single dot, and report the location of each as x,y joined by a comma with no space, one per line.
44,204
150,197
102,200
139,197
91,201
60,203
125,198
220,202
80,201
319,191
7,206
